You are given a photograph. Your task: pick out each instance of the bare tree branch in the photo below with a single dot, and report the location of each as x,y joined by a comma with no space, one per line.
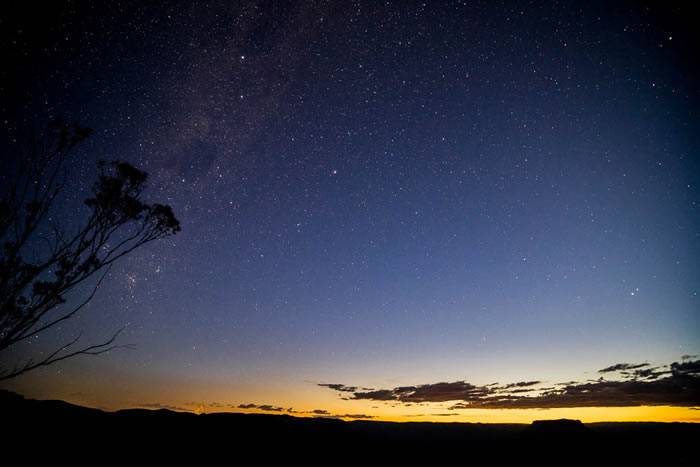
54,357
41,263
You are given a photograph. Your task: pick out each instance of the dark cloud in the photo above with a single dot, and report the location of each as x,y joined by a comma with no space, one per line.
326,413
523,384
263,407
356,416
339,387
437,392
637,370
270,408
636,385
685,368
460,405
623,366
380,395
647,373
523,390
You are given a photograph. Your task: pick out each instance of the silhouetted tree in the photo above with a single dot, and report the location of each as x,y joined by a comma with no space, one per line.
42,261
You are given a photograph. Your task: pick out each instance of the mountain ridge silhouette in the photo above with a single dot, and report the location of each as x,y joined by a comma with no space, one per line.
145,430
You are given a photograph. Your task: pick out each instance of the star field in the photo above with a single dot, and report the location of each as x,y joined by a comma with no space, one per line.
379,193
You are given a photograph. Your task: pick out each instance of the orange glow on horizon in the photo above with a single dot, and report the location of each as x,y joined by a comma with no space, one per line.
432,413
306,400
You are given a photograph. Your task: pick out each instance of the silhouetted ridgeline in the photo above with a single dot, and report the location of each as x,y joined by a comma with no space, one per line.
61,425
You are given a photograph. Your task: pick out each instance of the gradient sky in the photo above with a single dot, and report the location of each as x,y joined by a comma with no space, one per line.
378,194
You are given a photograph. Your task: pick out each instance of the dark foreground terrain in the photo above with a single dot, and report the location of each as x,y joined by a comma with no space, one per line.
62,431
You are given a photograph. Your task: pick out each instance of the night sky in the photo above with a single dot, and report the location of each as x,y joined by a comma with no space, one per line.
377,196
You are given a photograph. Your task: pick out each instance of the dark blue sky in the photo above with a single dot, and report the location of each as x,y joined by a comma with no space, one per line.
382,193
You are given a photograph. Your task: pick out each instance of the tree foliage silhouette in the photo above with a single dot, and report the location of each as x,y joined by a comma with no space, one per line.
41,261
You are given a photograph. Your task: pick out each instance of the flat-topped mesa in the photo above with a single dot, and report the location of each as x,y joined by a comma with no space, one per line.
557,428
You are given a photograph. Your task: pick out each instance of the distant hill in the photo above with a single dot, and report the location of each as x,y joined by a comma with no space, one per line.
59,424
